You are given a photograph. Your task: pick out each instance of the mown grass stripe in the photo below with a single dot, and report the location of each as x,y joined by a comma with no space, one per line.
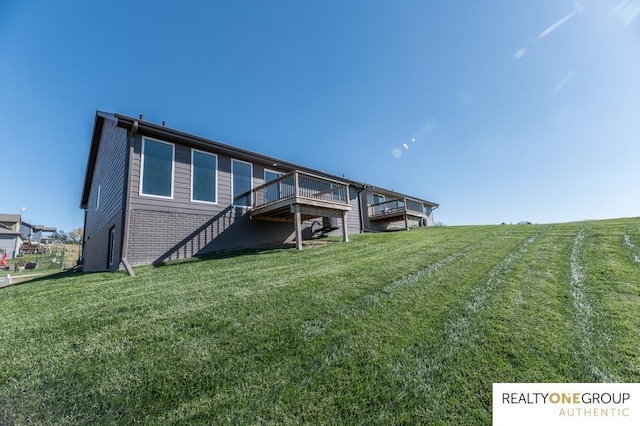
528,333
427,370
584,310
613,287
312,328
632,248
412,316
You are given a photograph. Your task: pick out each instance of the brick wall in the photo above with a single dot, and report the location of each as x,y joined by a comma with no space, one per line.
158,236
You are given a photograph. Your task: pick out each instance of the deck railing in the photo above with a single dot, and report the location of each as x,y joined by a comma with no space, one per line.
395,207
301,185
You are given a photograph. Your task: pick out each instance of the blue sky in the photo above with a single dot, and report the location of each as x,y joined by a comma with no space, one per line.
500,111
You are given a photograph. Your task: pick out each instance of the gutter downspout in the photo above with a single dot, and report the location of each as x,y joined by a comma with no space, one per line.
127,202
84,230
362,229
437,205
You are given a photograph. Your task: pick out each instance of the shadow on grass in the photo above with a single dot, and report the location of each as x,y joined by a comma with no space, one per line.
217,255
233,253
45,277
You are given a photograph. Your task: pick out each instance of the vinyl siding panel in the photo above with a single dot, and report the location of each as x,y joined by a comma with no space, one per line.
353,216
10,244
105,210
96,247
167,229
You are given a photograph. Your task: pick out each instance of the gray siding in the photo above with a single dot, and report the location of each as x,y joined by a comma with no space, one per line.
109,175
96,246
10,244
167,229
353,216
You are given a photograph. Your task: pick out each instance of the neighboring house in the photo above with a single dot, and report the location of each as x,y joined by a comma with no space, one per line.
10,236
153,194
36,233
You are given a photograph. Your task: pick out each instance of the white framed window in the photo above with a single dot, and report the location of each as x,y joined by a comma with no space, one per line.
98,197
111,247
241,183
204,177
273,192
156,168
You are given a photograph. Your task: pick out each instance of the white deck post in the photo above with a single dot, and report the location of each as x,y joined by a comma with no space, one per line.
345,232
297,220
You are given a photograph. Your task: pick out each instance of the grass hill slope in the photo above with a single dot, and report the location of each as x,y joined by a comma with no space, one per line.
407,327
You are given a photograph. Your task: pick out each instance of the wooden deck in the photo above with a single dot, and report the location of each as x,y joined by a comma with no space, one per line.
298,196
397,209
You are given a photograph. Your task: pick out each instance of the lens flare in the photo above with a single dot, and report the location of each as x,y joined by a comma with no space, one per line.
567,78
405,146
430,125
397,153
578,6
627,11
556,25
519,53
616,10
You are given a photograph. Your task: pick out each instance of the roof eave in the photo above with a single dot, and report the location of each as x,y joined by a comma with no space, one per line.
172,135
389,192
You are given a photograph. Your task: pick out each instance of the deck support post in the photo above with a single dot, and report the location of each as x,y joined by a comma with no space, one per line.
345,231
406,216
298,223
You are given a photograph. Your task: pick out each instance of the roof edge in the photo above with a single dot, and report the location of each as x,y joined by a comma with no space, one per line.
172,135
163,132
93,154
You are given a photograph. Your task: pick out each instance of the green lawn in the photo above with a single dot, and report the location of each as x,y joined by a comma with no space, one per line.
397,328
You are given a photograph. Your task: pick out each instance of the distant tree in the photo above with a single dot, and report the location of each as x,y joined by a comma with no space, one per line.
60,237
438,223
76,235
